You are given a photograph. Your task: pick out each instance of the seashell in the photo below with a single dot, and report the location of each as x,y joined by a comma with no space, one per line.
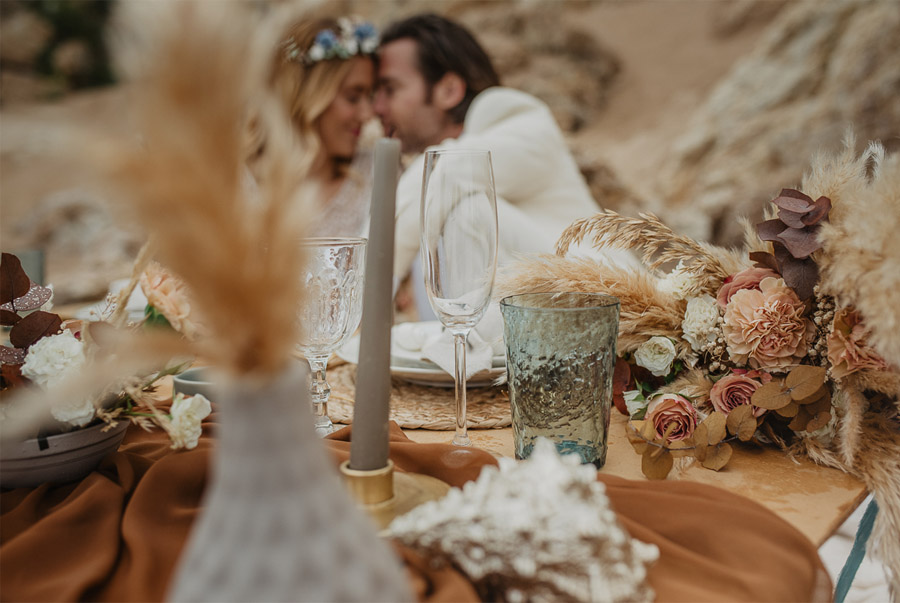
536,530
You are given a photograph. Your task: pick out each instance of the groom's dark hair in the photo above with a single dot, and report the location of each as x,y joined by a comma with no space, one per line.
446,47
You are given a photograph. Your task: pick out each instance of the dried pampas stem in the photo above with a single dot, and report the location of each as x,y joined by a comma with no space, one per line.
120,314
658,243
644,311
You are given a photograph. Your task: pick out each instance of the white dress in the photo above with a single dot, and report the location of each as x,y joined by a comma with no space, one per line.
347,214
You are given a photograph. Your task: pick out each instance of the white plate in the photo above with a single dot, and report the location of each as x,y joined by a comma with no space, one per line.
410,366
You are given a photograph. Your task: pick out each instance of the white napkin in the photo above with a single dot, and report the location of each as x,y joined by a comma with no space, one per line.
483,343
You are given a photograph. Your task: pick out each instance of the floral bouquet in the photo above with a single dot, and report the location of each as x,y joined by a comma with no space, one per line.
791,340
45,351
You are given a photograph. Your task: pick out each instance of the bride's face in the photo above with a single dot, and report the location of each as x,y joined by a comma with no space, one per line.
341,123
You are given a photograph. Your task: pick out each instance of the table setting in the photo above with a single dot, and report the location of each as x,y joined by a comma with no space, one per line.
619,470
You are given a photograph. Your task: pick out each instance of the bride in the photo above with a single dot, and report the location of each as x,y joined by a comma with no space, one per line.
323,72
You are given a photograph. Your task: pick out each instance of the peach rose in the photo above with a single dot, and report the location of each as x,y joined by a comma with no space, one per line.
168,295
666,409
848,351
736,389
766,327
745,279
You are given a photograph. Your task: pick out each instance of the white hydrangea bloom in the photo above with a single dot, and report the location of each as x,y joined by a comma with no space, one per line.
187,414
656,355
677,283
369,45
700,319
352,46
51,359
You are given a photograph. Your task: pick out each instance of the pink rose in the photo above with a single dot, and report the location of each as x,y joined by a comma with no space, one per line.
736,389
766,327
848,351
745,279
168,294
667,409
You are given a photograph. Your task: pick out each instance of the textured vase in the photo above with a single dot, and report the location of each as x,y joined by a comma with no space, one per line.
277,523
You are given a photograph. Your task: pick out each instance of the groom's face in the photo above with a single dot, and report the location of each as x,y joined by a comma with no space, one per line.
403,99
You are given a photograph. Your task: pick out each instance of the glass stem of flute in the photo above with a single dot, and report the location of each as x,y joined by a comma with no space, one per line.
459,344
319,390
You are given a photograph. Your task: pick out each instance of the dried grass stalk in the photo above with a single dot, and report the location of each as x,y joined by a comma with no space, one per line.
657,242
645,311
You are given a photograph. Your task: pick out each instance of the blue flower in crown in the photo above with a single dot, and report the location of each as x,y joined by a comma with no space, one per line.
356,37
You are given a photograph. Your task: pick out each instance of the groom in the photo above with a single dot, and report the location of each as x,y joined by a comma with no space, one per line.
437,87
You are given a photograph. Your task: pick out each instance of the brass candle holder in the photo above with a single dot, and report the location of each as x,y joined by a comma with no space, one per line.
385,494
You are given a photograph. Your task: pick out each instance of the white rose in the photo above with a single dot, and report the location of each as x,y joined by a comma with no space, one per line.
187,414
51,359
656,355
78,413
369,45
316,53
352,46
677,283
634,401
700,319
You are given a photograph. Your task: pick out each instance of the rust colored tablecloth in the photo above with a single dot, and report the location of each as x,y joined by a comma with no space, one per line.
117,534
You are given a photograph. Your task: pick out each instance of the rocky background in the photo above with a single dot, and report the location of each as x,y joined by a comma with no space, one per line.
697,110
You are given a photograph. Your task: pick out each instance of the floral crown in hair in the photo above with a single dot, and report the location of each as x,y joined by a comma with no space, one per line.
356,37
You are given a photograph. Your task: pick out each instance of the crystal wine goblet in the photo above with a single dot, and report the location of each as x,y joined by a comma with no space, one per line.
331,310
459,250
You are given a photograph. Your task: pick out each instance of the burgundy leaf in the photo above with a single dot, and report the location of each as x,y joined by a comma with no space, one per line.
11,375
36,297
791,218
801,276
8,319
764,260
770,229
782,255
801,243
10,355
621,379
793,200
819,211
34,326
13,280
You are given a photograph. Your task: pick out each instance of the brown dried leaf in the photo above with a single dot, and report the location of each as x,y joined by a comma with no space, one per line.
717,456
764,259
33,299
10,355
715,427
741,422
771,396
635,438
800,275
658,465
801,420
821,405
804,381
11,375
789,411
793,200
800,242
8,319
820,210
13,280
819,421
648,430
621,379
34,326
700,444
770,230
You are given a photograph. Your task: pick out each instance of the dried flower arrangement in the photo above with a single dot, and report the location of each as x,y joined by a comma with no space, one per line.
46,350
791,340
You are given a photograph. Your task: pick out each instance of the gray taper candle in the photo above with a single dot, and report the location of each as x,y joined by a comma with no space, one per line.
369,442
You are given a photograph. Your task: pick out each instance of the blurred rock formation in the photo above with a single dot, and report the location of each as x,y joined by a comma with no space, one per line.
821,68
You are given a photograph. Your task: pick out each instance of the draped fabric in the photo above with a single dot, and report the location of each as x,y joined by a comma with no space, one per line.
117,534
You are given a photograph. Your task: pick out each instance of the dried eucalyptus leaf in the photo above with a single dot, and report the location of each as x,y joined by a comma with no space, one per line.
8,319
793,200
717,456
819,421
770,230
800,275
635,439
771,396
823,404
764,259
715,427
701,441
34,326
656,466
647,430
13,280
10,355
800,422
800,242
741,422
789,411
804,381
820,210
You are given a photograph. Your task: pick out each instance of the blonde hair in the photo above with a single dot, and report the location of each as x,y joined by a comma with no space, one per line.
305,90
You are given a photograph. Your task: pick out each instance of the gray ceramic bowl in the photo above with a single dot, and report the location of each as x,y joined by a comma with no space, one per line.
194,381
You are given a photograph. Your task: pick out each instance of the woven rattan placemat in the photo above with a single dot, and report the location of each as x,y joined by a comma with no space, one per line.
421,407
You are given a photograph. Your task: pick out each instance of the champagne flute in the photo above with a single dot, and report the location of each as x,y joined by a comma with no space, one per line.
459,250
331,310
